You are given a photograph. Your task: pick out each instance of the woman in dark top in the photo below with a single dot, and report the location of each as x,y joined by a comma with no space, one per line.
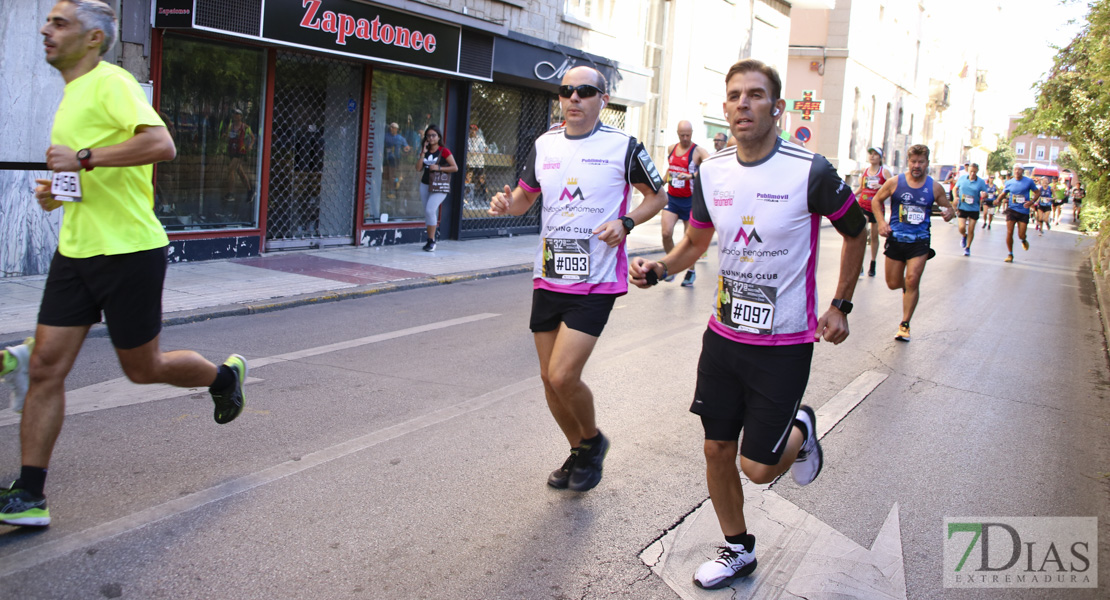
436,158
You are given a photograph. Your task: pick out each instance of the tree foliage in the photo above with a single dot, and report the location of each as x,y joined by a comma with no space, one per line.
1073,101
1001,159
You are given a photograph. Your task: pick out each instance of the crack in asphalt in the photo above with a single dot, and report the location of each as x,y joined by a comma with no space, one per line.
664,533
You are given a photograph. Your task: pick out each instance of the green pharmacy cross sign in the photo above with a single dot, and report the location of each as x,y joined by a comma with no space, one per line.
807,105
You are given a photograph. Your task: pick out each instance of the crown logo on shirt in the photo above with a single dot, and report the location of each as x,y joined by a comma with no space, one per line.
748,220
572,181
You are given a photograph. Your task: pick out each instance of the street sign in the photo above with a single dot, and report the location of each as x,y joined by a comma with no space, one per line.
803,134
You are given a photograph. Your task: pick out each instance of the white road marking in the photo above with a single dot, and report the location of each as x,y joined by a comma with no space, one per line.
121,392
31,557
799,556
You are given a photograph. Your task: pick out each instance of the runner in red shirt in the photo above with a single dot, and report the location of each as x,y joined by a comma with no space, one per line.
683,160
873,178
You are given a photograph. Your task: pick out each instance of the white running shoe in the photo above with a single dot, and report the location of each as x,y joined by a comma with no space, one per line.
732,562
810,459
19,378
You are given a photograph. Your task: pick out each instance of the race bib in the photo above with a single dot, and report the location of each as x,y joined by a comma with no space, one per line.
566,259
746,306
914,215
66,186
968,199
678,184
873,182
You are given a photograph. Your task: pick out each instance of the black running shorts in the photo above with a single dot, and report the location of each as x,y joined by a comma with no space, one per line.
903,251
127,288
754,388
1044,208
587,313
988,203
968,214
1013,215
870,216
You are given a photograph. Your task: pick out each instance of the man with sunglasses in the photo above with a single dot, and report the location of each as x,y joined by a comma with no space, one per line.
683,159
585,171
764,202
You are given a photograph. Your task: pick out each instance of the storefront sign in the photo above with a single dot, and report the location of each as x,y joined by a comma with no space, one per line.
545,70
173,14
362,30
529,64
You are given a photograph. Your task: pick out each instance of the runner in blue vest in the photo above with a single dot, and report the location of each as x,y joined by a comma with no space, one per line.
907,234
1022,192
969,189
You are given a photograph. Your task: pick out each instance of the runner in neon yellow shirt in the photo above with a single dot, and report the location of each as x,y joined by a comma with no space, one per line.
111,256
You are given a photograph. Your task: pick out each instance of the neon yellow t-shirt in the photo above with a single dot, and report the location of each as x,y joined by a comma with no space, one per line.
116,213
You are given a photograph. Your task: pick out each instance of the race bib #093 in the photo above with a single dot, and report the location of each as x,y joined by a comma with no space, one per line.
746,306
566,259
66,186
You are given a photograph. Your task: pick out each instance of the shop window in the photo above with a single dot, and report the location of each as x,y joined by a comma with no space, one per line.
211,102
401,108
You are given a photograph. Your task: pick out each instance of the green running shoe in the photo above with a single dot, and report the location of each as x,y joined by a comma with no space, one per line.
229,403
20,507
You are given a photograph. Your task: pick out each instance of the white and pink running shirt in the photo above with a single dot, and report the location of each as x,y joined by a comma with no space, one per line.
585,181
767,216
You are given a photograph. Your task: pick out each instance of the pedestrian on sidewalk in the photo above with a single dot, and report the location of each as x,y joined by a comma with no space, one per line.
584,170
111,255
757,350
437,164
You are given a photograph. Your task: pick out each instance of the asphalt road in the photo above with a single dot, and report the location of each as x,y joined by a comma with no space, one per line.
411,461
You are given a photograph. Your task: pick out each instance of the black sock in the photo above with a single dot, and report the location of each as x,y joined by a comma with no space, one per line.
800,424
590,442
905,323
225,378
743,539
32,479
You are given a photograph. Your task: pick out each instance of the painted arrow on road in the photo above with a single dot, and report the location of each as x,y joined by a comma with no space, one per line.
799,555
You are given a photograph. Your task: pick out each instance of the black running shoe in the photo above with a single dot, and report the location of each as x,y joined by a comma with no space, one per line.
559,478
229,403
21,507
586,473
871,270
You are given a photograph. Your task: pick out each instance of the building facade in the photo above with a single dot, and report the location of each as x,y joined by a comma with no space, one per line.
868,88
298,123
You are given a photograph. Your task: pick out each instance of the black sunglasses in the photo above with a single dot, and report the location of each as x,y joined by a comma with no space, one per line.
584,91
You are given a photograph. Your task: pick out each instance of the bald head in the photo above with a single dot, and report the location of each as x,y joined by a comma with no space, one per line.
685,134
592,75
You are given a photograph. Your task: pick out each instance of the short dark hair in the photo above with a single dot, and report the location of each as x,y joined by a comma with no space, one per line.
750,64
918,150
976,165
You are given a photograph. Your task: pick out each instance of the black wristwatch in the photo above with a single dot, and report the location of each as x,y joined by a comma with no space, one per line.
628,224
843,306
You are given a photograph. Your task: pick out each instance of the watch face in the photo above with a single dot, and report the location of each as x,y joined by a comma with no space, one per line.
83,154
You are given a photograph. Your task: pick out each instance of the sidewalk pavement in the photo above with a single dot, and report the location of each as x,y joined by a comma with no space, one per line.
218,288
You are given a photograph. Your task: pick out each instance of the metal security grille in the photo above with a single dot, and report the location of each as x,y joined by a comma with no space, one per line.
239,16
614,115
313,152
504,121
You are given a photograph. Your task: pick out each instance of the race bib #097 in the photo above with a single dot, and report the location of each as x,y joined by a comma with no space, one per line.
746,306
566,259
66,186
